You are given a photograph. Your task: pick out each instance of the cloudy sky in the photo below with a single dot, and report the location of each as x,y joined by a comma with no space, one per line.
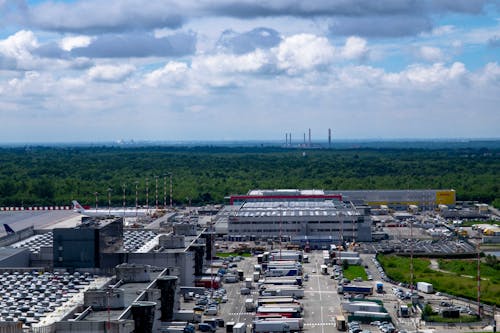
93,70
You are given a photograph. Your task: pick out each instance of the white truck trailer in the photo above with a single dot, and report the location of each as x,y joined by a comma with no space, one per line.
240,328
425,287
263,326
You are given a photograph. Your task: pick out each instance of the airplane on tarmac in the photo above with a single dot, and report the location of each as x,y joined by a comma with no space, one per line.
8,229
77,208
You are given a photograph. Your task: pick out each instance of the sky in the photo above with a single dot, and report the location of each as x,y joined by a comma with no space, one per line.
174,70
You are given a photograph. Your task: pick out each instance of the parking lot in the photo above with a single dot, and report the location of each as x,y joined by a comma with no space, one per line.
322,303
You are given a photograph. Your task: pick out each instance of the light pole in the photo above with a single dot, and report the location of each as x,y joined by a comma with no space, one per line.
281,218
171,206
124,186
147,195
165,191
136,198
96,194
109,200
156,191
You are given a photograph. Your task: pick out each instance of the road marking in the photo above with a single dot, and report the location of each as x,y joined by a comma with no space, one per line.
241,313
320,324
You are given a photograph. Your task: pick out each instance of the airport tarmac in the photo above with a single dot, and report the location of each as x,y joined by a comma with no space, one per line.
18,220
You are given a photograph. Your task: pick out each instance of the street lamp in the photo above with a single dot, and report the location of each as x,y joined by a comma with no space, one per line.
164,191
124,186
96,194
109,200
136,198
156,191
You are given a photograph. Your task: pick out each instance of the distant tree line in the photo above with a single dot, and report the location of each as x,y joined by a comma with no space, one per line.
55,176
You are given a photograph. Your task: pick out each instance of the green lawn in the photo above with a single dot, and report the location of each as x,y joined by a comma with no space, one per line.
398,268
471,223
354,271
462,319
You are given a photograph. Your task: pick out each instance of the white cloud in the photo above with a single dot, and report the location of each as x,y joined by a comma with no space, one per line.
435,74
18,48
430,53
69,43
227,63
110,73
172,72
303,52
355,48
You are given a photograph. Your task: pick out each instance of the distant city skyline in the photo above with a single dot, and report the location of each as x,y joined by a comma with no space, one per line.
95,71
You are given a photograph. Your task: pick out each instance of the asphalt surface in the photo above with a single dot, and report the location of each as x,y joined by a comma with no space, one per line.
18,220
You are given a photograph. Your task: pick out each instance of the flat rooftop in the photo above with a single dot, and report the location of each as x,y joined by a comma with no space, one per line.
295,208
131,290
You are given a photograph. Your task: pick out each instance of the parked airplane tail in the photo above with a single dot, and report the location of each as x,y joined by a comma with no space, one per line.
77,207
8,229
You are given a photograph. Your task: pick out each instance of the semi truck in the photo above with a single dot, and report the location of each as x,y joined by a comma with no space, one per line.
240,328
340,323
283,272
297,280
177,327
278,325
292,312
291,292
249,305
187,315
264,301
350,288
403,311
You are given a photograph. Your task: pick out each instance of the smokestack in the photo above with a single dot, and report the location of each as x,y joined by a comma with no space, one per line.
309,137
304,139
290,139
286,139
329,138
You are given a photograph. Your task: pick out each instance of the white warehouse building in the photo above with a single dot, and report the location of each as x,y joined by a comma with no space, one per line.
326,221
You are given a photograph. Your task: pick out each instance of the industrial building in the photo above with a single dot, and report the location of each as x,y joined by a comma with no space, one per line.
313,219
400,199
91,244
396,199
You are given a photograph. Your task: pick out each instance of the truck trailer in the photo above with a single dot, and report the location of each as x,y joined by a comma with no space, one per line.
283,272
291,292
355,289
425,287
278,325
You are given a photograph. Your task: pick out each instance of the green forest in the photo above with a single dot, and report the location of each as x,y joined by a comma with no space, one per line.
57,175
